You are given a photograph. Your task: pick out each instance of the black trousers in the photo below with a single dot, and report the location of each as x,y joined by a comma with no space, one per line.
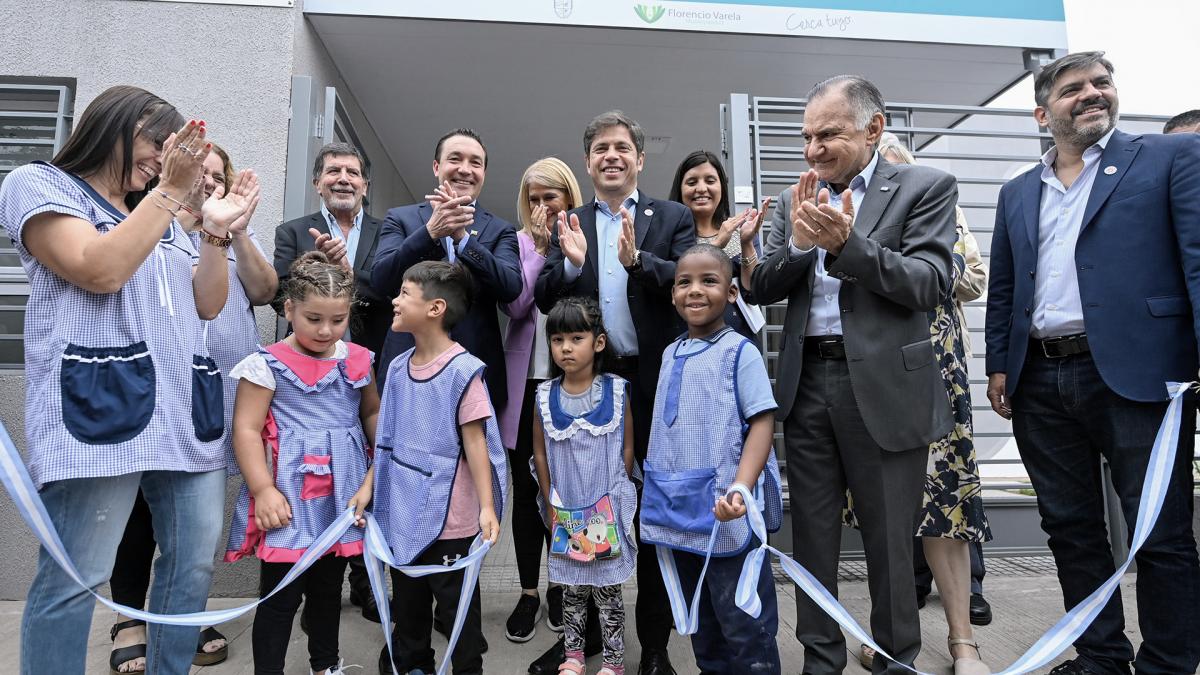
829,449
652,613
320,588
415,601
528,529
1065,418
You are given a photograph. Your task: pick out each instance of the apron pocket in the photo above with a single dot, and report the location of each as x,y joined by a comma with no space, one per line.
585,534
680,500
108,393
318,477
208,399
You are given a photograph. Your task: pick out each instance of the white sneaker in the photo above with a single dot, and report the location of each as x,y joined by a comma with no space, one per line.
339,669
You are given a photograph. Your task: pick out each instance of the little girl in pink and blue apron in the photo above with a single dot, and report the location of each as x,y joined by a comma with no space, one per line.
308,404
712,430
583,457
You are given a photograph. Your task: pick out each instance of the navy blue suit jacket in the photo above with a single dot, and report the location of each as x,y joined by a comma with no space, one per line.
663,230
494,259
1138,261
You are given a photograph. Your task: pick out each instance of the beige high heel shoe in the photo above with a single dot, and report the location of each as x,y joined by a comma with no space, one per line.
965,666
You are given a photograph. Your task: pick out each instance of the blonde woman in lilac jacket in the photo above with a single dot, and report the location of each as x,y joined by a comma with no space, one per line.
547,188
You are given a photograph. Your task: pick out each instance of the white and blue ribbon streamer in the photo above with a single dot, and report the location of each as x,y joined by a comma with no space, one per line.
378,557
1062,634
20,487
376,553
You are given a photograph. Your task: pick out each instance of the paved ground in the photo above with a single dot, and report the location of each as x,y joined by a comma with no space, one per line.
1023,592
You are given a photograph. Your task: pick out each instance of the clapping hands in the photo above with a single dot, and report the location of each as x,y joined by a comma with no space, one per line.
571,239
229,213
816,222
452,213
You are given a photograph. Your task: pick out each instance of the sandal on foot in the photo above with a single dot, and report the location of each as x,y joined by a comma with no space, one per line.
572,666
866,656
967,666
122,655
206,658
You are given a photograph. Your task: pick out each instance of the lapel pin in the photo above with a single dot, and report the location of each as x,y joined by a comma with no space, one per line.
474,233
884,188
1110,170
649,212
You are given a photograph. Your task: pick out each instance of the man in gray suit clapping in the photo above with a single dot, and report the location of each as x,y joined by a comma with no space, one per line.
861,250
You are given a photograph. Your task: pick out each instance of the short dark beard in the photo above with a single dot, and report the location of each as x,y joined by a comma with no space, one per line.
1065,132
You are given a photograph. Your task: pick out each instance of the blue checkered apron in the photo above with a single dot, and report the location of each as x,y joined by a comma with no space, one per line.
109,376
586,455
231,337
694,450
320,462
417,447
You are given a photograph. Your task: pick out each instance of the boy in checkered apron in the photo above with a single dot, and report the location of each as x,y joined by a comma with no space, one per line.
309,402
712,429
441,467
583,455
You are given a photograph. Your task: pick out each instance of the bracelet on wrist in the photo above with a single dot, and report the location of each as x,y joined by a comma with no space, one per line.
164,195
158,202
213,240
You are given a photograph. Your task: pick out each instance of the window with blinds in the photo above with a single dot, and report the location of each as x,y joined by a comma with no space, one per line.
35,119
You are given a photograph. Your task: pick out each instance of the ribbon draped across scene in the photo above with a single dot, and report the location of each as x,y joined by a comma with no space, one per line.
376,554
378,557
1049,646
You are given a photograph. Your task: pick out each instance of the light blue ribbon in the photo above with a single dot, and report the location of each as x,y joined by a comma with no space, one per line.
375,551
29,503
1063,633
378,557
1154,488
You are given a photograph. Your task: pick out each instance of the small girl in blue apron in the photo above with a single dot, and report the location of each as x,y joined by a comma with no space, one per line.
712,429
441,471
583,457
306,402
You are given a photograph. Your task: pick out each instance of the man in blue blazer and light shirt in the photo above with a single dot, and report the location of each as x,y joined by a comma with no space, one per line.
453,226
1092,308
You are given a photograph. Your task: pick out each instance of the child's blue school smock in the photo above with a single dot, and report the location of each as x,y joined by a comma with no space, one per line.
111,378
418,443
319,453
586,457
695,447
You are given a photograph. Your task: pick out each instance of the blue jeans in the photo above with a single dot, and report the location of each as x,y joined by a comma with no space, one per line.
1065,419
729,640
90,515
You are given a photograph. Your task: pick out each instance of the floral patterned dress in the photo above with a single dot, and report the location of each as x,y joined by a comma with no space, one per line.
953,505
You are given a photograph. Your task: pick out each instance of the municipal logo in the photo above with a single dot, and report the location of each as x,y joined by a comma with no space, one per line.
649,13
563,8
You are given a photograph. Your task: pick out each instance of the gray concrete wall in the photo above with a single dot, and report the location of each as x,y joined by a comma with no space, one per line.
229,65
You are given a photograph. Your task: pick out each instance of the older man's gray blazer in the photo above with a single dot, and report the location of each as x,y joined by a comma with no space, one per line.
895,268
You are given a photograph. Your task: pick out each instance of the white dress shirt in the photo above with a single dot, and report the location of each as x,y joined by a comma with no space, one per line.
1057,309
824,311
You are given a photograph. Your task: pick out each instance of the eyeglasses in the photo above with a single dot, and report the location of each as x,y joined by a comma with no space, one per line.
158,139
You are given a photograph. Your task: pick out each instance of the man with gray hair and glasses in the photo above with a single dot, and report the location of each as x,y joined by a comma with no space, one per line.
861,250
1092,309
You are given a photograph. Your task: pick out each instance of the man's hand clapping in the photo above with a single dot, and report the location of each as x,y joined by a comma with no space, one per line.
452,214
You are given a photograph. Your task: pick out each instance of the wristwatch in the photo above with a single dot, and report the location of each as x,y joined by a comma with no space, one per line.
212,239
637,260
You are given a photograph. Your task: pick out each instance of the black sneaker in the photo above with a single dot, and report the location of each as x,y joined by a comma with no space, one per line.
554,620
522,623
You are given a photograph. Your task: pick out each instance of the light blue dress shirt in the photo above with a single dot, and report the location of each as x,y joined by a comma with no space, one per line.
824,311
335,231
1057,309
614,280
452,250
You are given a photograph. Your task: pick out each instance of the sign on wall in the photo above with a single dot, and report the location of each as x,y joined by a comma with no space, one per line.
1011,23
